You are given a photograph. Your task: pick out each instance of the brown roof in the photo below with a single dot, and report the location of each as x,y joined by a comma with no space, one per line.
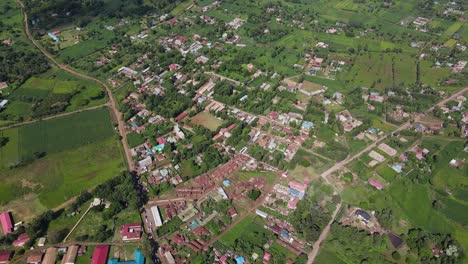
50,256
70,257
35,258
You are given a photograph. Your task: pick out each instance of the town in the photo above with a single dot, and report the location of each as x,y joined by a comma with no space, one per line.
234,132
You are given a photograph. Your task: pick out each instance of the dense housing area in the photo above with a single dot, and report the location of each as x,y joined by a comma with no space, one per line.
233,131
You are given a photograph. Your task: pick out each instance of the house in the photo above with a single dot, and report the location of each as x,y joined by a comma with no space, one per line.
127,72
174,67
181,116
457,163
34,258
5,219
5,256
3,103
376,184
307,125
178,240
139,259
232,212
297,189
202,59
21,240
100,254
240,260
395,240
261,213
3,85
70,256
266,257
50,256
170,259
130,232
362,215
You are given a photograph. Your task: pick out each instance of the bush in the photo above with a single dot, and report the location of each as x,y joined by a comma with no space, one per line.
254,194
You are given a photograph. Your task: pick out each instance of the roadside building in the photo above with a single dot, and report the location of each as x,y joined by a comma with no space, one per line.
50,256
156,216
70,256
131,232
34,258
100,254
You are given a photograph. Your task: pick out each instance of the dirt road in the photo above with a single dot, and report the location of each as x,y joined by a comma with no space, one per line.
322,237
112,105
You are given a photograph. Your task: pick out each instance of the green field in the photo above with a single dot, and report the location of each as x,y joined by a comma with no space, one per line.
79,152
207,120
236,232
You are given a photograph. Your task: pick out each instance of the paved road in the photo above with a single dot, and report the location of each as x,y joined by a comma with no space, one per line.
52,117
112,105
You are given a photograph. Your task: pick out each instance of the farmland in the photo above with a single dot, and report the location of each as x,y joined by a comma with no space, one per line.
54,160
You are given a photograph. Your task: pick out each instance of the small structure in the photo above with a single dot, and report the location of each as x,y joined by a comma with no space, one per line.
100,254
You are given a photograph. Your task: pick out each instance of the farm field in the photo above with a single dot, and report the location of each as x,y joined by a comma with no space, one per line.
56,159
207,120
53,85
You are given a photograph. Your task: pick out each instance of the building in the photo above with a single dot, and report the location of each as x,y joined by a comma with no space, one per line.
5,256
131,231
70,256
363,215
100,254
261,213
156,216
21,240
139,259
376,184
50,256
7,226
169,257
34,258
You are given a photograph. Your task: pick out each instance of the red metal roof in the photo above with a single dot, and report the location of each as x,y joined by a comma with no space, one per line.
5,256
5,219
376,184
131,231
181,116
23,238
100,254
298,186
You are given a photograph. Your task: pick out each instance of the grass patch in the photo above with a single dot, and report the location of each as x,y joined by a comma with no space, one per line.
207,120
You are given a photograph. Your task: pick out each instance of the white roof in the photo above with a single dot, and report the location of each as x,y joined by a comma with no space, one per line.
156,216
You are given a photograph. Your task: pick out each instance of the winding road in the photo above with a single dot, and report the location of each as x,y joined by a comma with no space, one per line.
111,104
